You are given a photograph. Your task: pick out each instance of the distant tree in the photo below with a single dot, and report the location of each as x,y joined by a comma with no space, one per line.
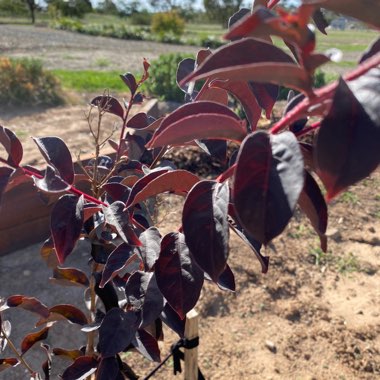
221,10
32,8
108,7
71,8
168,5
13,7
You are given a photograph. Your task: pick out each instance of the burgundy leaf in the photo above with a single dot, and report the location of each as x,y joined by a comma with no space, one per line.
51,182
178,275
215,148
143,294
373,49
320,21
130,81
89,209
116,262
8,363
314,206
172,319
5,175
31,339
177,182
117,331
12,145
18,177
364,10
151,246
237,16
71,313
108,369
70,354
57,154
139,121
69,276
185,67
121,221
107,293
147,345
268,182
117,191
205,226
81,369
48,253
214,94
348,143
109,104
253,60
226,280
66,224
27,303
243,93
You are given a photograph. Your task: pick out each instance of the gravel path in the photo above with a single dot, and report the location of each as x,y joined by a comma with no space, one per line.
73,51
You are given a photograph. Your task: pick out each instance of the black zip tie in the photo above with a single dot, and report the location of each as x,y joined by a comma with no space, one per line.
178,355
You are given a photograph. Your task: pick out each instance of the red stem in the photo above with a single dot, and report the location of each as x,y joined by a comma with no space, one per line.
227,174
308,129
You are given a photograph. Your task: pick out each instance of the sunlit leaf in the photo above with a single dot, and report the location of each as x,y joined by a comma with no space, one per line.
205,226
81,369
109,104
27,303
71,313
51,182
151,246
130,81
69,276
147,345
12,145
6,363
31,339
70,354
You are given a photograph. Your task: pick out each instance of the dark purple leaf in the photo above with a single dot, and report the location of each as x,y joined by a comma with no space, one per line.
108,369
217,149
320,21
117,191
6,363
177,182
119,219
373,49
226,280
364,10
130,81
107,293
205,226
27,303
117,261
51,182
70,354
81,369
253,60
241,13
147,345
298,125
117,331
71,313
69,277
66,224
151,246
5,175
31,339
314,206
348,143
172,319
179,277
57,154
12,145
185,67
266,95
109,104
139,121
268,182
143,294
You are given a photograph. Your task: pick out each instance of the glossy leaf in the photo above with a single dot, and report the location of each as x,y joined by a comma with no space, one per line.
48,254
70,354
314,206
226,280
348,142
109,104
320,21
116,262
71,313
130,81
12,146
108,369
205,226
117,191
364,10
151,246
179,277
139,121
5,175
6,363
81,369
147,345
66,224
69,277
268,182
143,295
31,339
117,331
57,154
121,221
176,182
51,182
173,320
27,303
253,60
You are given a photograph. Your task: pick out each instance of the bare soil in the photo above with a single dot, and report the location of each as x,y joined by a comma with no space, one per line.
312,316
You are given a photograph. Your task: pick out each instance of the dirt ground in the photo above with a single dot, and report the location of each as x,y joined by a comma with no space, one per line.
312,316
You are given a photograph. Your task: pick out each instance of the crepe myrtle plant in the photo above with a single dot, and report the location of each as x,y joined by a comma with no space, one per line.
328,137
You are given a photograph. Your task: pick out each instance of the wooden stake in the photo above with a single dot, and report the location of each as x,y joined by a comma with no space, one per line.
191,355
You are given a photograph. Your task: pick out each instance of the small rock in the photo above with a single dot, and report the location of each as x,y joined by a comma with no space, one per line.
334,234
371,229
307,356
270,346
360,312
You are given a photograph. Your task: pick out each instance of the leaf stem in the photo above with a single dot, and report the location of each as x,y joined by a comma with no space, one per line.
14,349
130,104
